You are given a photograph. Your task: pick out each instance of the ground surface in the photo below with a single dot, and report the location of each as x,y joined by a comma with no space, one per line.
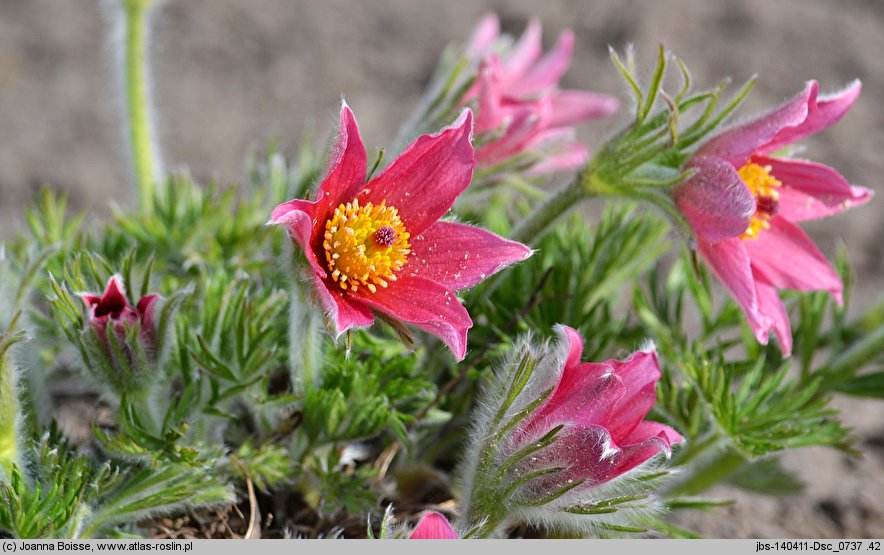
231,74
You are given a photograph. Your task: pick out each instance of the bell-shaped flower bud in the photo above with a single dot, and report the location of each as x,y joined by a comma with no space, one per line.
122,344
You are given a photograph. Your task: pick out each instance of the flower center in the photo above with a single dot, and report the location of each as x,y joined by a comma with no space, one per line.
767,199
365,245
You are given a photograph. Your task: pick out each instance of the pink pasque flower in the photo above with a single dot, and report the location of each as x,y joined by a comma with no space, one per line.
433,526
743,202
554,436
111,310
602,406
378,245
519,102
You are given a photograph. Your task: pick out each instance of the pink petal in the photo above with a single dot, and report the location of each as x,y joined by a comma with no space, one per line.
640,374
586,451
484,35
525,52
811,190
345,312
785,257
489,117
458,256
298,216
715,201
822,112
433,526
429,306
88,299
113,300
548,71
646,441
736,145
570,107
423,181
574,342
590,454
346,169
524,120
146,303
585,395
769,303
649,429
730,263
145,309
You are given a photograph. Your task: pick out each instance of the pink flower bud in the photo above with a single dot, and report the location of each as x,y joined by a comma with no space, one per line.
120,340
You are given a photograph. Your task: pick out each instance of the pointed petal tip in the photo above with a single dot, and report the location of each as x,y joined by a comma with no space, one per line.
485,33
463,121
648,347
115,289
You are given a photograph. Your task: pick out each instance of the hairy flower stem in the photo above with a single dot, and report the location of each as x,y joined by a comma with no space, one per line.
137,102
532,228
10,410
485,503
305,340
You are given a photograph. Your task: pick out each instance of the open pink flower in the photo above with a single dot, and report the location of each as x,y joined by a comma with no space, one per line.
520,104
602,406
378,245
743,202
111,310
433,526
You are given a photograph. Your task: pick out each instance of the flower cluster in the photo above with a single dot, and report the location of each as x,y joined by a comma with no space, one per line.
522,114
553,441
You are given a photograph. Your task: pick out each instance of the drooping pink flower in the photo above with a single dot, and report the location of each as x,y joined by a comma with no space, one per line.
433,526
601,406
520,107
743,202
379,245
112,311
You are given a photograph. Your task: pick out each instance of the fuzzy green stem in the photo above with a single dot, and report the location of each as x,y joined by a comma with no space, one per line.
305,340
8,418
533,227
137,102
10,409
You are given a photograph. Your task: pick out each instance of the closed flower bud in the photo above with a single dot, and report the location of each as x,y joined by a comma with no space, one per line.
119,342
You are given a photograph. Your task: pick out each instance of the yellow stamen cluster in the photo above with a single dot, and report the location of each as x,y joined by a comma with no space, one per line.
365,245
764,188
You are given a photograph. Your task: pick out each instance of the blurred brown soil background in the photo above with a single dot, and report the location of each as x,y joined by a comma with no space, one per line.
231,74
